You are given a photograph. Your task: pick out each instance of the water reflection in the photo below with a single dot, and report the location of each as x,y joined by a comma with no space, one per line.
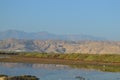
28,65
59,72
105,68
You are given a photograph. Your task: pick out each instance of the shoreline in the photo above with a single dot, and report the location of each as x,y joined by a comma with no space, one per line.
55,61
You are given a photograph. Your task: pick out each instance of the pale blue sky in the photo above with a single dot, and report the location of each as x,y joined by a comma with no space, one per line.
91,17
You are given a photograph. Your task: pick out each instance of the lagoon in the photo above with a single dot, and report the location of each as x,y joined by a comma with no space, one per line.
56,71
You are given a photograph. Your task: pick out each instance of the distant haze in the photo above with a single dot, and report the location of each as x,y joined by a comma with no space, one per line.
15,34
99,18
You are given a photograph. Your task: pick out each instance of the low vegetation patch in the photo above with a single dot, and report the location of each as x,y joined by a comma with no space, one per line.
60,58
74,56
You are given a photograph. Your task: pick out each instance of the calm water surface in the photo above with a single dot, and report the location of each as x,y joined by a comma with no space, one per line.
55,72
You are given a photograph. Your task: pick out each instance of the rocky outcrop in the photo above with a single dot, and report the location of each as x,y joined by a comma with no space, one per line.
58,46
24,77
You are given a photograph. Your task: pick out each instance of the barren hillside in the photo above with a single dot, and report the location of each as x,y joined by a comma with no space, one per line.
57,46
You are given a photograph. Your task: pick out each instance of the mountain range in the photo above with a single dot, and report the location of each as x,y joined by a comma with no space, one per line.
59,46
44,36
20,41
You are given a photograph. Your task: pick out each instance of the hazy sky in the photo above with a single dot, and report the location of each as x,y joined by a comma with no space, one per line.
92,17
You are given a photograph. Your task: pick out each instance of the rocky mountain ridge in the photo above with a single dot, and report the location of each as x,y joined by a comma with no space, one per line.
60,46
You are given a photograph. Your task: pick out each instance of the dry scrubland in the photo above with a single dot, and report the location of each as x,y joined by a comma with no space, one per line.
79,57
35,57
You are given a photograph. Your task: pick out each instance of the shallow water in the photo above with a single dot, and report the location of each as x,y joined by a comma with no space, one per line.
56,72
